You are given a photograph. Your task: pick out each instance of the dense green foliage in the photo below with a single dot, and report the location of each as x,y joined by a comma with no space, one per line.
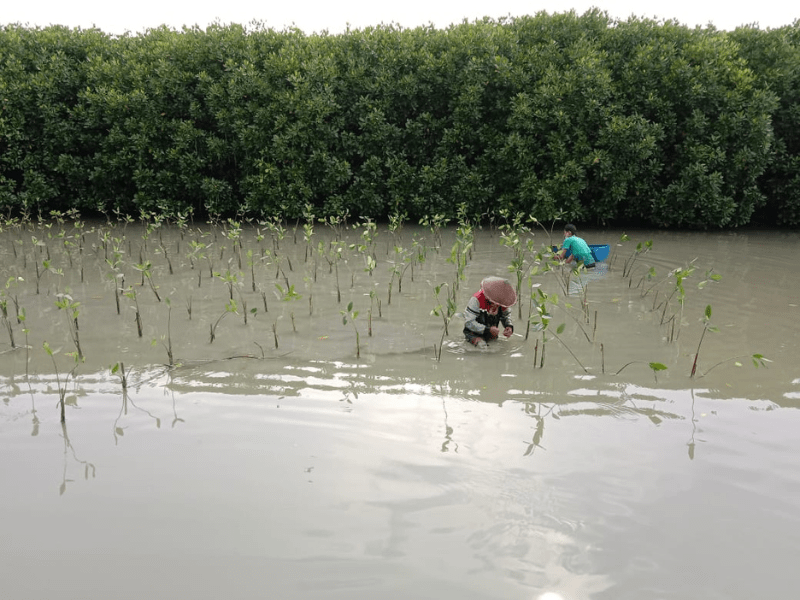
594,119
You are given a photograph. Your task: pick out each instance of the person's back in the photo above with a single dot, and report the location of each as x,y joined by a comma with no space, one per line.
579,249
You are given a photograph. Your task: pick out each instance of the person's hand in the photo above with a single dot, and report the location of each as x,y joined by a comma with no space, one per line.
494,332
508,331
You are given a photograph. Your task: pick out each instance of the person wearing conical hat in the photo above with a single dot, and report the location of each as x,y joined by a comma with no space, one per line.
487,309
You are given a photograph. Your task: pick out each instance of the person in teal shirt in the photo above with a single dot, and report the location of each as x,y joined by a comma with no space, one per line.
579,249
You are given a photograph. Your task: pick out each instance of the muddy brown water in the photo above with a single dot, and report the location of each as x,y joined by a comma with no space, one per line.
304,471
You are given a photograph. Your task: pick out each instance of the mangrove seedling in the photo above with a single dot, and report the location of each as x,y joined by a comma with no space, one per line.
542,318
372,297
511,235
230,307
146,270
654,366
367,244
70,307
446,311
351,315
131,293
229,279
396,221
435,224
21,316
706,327
62,386
288,294
166,340
118,368
163,248
556,335
759,360
641,248
45,268
308,228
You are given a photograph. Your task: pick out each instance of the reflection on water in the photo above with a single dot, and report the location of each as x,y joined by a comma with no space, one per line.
369,482
307,473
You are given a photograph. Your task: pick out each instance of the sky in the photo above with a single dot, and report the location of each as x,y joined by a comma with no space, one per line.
335,16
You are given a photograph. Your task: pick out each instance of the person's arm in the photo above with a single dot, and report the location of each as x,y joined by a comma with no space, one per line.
508,323
566,246
471,317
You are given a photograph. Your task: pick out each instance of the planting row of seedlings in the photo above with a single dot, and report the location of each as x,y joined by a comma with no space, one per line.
292,281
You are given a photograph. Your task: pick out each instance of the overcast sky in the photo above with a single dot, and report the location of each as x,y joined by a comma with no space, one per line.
335,15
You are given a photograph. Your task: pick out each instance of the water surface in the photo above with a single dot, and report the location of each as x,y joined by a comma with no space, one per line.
304,471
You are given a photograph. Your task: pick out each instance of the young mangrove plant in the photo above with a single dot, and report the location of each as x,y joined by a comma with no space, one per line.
641,248
366,246
403,260
46,267
759,360
166,340
62,386
540,317
6,322
511,236
21,317
559,331
131,294
70,307
230,279
435,224
678,292
162,248
230,307
118,368
146,269
333,254
351,315
372,298
706,327
445,310
654,366
308,229
288,294
233,232
396,221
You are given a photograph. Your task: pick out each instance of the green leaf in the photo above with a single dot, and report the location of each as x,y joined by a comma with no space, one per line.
561,328
349,307
708,312
657,366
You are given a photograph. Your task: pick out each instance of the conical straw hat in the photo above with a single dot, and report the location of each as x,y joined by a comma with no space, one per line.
499,291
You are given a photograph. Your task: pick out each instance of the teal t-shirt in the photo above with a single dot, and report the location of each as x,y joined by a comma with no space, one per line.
580,249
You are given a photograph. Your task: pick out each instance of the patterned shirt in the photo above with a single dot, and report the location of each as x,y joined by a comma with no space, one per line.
477,320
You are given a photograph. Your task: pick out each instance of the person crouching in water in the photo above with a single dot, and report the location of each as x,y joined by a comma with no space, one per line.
579,249
487,309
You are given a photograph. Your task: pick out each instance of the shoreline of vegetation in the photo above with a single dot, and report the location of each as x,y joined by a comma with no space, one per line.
597,120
